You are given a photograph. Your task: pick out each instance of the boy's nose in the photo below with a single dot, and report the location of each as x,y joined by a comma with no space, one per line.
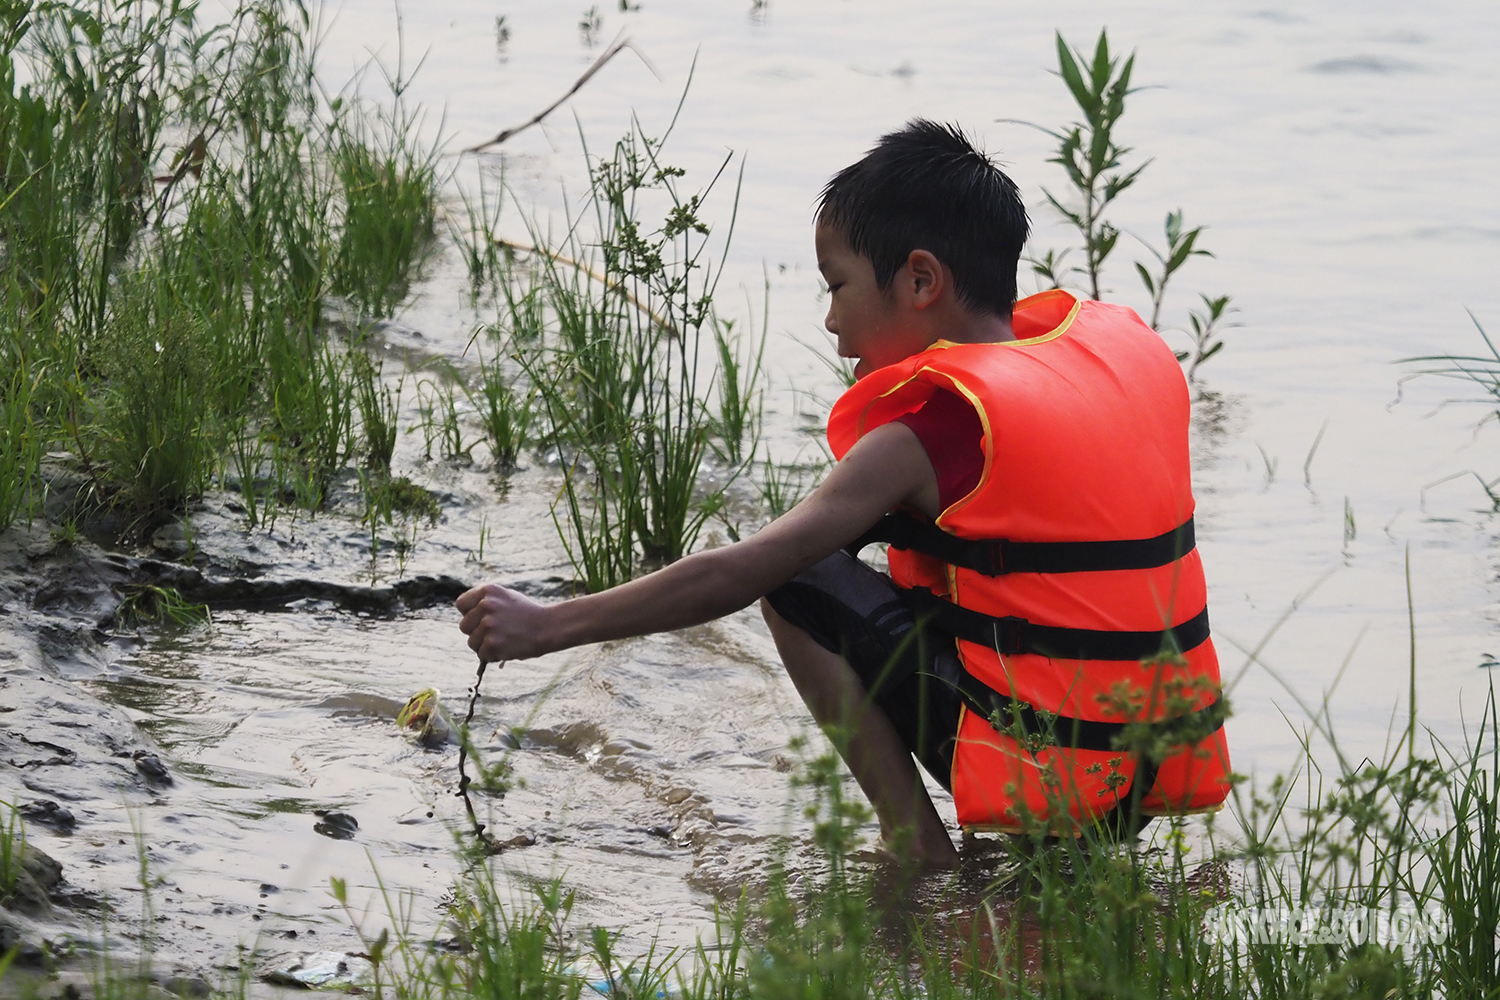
829,324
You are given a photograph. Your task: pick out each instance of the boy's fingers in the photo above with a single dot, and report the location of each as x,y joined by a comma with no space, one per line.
468,599
470,622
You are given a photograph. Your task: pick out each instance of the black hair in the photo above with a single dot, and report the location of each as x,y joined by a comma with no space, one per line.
926,187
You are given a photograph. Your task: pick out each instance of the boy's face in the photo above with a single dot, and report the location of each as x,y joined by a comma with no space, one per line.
865,319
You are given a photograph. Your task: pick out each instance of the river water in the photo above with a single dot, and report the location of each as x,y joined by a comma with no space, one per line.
1342,155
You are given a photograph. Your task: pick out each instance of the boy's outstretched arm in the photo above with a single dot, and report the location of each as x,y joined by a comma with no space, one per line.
886,468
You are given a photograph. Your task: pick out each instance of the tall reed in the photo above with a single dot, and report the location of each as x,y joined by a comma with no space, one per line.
629,353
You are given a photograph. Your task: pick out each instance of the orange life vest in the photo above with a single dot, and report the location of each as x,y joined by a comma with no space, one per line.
1085,423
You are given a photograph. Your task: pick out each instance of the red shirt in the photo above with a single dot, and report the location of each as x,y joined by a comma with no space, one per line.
952,436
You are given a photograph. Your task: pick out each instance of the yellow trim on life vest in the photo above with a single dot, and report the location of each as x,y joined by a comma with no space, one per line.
859,424
1060,329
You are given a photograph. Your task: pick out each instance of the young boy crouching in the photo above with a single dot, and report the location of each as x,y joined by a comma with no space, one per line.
1041,644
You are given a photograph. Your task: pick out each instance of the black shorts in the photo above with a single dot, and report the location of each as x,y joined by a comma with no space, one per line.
850,609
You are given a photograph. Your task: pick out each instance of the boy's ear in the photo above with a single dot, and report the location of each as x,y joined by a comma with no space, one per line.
927,279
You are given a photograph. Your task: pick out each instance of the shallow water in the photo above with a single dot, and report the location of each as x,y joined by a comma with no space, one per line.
1343,157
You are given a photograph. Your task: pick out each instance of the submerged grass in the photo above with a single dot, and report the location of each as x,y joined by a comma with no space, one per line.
1479,370
148,604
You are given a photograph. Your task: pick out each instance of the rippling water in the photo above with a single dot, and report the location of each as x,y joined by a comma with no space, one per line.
1343,156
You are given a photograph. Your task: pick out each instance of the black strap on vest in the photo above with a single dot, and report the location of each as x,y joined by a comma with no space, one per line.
1011,635
998,556
1016,718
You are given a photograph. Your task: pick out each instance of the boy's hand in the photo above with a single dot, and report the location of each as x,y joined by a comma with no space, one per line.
502,624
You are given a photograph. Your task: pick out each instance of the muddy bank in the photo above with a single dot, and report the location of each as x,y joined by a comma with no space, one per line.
247,760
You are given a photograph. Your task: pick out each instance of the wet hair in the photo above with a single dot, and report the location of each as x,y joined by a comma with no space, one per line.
926,187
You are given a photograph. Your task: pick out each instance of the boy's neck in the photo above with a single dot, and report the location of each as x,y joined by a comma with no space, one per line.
962,326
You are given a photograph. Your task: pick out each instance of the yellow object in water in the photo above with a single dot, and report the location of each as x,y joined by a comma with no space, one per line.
424,714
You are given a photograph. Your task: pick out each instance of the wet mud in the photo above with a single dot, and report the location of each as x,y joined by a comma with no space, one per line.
196,787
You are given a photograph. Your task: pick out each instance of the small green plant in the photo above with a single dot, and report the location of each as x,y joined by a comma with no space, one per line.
484,537
12,847
1207,327
402,496
741,400
1481,370
66,534
505,413
388,500
1090,153
477,240
589,26
437,402
1088,150
378,409
1181,246
149,604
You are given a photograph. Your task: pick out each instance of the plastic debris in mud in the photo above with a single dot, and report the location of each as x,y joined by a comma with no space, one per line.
425,715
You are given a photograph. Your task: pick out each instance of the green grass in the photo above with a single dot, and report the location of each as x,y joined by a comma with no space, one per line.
180,203
12,848
390,194
20,441
507,412
621,347
1479,370
379,406
148,604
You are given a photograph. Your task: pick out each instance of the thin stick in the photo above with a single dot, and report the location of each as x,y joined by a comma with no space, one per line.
463,754
598,64
584,269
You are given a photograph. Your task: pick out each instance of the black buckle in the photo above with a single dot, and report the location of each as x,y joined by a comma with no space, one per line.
994,558
1010,635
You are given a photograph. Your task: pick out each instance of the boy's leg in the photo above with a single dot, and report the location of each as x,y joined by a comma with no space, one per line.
873,750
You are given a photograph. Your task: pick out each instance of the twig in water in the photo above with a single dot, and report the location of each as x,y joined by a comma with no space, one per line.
596,66
463,754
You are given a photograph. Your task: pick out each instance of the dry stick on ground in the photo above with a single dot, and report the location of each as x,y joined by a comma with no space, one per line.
615,49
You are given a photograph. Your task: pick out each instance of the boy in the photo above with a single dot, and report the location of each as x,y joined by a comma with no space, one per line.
1041,645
